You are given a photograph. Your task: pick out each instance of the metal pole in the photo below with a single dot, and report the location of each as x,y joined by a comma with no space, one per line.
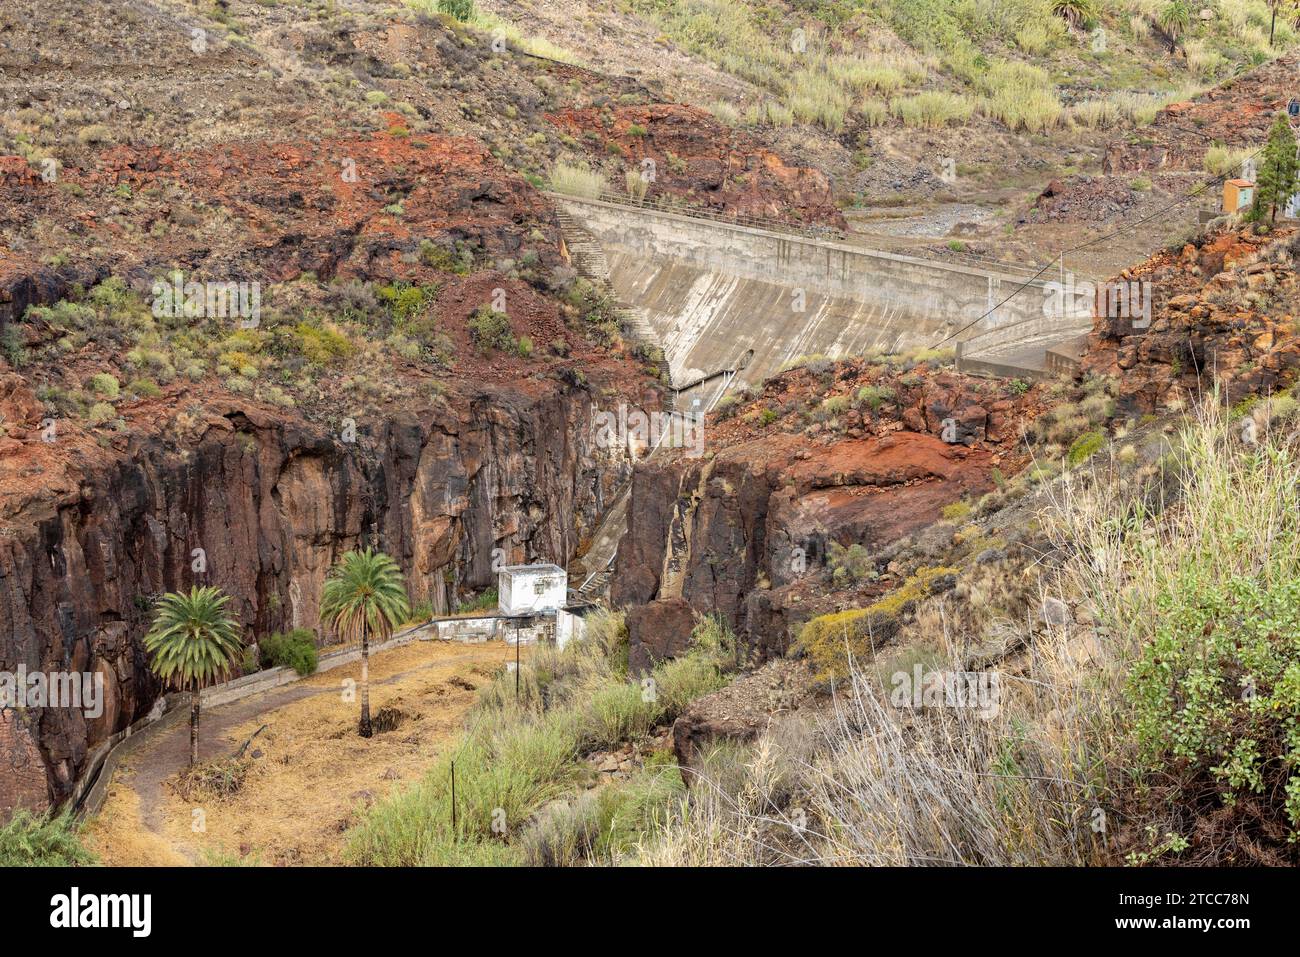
453,798
1273,25
516,663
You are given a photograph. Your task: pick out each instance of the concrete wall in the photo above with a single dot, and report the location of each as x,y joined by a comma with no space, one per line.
714,291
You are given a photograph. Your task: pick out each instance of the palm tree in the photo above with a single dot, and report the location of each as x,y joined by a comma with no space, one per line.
364,596
1175,19
193,642
1075,12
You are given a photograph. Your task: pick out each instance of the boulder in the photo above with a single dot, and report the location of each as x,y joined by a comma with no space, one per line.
658,631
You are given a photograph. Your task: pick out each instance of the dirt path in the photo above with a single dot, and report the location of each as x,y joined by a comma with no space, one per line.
308,773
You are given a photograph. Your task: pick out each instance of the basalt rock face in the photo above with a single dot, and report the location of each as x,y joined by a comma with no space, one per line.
745,530
272,504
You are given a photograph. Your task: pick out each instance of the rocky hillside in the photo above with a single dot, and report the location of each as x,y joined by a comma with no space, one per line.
803,490
1226,311
255,311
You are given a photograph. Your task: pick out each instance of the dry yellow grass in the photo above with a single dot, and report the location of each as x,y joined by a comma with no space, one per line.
118,837
313,771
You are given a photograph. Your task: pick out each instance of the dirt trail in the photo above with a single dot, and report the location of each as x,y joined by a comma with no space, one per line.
309,773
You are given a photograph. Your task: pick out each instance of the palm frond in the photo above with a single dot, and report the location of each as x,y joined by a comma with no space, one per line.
365,587
193,639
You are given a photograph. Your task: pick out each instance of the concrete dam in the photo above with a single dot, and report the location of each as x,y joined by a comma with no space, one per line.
719,296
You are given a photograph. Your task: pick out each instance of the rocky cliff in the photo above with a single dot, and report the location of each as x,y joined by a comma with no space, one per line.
831,454
1224,314
272,502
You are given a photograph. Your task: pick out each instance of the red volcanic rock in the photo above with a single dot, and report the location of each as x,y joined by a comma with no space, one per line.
351,208
1224,312
19,407
706,163
732,532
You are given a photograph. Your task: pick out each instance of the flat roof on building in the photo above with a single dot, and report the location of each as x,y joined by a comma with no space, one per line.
537,569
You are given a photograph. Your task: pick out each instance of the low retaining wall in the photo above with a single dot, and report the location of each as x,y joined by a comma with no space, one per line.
88,793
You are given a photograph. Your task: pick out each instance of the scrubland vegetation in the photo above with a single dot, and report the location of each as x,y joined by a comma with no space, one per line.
520,773
308,340
1163,705
39,840
996,60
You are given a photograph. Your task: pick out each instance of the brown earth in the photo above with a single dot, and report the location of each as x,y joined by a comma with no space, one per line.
703,162
1237,112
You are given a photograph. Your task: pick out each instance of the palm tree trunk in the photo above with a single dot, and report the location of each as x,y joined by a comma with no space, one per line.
194,728
365,730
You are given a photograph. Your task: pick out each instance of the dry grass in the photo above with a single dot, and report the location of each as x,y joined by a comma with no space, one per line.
578,180
1223,160
1054,775
118,837
932,109
314,770
1021,97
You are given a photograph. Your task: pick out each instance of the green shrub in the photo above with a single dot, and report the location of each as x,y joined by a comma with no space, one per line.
101,413
850,564
104,385
874,396
30,840
955,511
320,345
13,346
490,329
462,10
482,602
1205,596
296,650
404,300
144,388
1219,685
1085,446
833,640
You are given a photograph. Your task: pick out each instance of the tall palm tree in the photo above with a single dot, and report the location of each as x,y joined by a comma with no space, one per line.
193,642
364,596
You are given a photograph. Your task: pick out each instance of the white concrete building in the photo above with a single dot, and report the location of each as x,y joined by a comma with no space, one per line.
531,590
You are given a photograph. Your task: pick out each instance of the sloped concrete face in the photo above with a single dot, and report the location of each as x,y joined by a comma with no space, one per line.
719,296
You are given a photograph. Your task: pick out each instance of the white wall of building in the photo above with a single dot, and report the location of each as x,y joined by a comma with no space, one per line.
531,589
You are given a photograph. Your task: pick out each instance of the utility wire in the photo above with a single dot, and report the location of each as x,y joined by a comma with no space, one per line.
1198,190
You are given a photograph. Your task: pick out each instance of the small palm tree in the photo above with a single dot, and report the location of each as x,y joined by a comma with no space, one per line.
193,642
1175,19
364,596
1075,12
